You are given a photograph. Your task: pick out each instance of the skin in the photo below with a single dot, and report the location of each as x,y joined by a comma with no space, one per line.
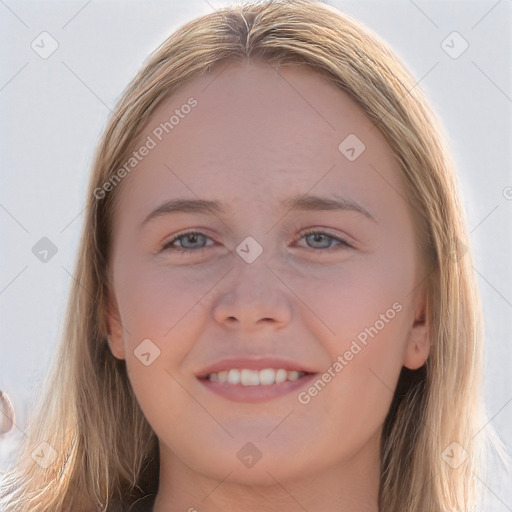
256,137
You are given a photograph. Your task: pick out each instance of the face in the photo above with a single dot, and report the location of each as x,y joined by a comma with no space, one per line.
313,305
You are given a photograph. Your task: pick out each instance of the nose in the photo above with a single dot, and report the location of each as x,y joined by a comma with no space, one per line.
252,297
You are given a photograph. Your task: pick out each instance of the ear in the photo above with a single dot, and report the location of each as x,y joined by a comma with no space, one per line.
419,341
114,326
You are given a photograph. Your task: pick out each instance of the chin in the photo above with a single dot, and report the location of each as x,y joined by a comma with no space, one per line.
254,463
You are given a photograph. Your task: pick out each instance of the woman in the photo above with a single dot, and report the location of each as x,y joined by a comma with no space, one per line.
265,367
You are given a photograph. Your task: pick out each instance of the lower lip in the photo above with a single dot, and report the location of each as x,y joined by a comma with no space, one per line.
255,394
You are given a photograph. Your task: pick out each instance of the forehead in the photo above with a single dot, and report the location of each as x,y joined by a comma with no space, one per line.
254,135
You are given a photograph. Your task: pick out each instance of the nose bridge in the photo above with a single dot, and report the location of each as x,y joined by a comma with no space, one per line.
252,292
252,280
252,273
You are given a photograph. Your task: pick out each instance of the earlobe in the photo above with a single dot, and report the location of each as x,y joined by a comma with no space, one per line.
114,327
419,342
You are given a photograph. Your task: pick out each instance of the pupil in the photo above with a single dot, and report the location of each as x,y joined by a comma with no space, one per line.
318,238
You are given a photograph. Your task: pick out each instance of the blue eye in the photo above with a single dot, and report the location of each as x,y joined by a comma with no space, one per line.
320,236
194,242
189,237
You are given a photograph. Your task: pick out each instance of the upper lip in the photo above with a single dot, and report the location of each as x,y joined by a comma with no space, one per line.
254,364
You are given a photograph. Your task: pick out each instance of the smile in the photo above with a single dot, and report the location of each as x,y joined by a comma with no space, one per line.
246,377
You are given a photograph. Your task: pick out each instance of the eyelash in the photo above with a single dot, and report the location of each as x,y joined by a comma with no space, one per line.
178,250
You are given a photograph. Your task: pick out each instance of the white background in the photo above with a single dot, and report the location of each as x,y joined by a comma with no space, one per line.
54,109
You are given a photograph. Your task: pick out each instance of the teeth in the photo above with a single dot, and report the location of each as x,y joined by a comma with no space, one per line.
234,376
264,377
293,375
249,377
281,375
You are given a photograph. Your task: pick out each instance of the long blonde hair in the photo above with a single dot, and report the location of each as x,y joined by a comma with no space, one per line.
106,454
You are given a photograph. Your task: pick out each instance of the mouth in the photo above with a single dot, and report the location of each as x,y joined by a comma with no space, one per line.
254,381
247,377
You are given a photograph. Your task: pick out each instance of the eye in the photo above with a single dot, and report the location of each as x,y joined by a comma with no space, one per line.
324,240
194,241
190,241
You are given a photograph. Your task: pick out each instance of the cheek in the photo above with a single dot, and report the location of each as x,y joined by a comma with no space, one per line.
341,303
159,312
162,317
155,300
362,315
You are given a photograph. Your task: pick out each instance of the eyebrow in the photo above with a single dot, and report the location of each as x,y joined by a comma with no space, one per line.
301,203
